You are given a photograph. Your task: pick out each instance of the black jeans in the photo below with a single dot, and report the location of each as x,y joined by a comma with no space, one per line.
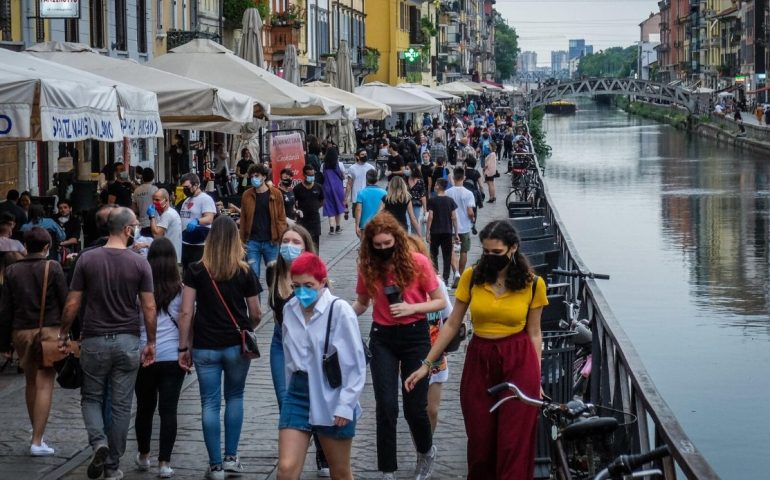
443,241
159,384
405,346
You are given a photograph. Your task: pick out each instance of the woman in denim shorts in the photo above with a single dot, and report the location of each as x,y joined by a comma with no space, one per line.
310,404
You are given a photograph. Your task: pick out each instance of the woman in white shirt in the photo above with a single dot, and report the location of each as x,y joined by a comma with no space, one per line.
310,403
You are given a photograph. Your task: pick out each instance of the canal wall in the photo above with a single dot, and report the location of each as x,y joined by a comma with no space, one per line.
722,129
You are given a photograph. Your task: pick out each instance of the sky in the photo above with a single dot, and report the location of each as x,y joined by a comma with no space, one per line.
546,25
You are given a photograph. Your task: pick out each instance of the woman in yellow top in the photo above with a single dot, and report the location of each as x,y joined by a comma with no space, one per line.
506,300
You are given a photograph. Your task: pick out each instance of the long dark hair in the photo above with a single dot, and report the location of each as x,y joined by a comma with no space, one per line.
519,273
165,274
331,159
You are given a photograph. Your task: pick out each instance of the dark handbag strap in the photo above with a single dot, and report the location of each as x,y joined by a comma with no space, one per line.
45,294
329,326
222,299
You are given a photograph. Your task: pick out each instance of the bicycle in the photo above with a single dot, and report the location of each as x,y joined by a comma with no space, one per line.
574,422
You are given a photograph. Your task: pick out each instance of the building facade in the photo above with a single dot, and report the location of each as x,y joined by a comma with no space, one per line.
527,62
560,64
649,39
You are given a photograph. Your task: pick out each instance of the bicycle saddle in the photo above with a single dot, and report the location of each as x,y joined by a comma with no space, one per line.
589,427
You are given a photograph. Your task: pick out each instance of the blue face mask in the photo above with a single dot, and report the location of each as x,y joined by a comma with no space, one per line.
256,182
306,295
290,252
310,179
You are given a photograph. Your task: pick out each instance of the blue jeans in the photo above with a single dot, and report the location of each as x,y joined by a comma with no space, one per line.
210,365
277,361
110,364
256,251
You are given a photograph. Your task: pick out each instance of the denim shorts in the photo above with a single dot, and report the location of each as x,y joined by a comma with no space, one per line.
295,412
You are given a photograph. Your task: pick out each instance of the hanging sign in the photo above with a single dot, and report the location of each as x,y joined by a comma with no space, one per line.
59,8
14,121
286,151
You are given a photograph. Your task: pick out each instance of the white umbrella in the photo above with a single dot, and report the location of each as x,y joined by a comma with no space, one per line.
212,63
458,88
437,94
346,133
365,108
250,48
183,102
399,99
291,65
39,102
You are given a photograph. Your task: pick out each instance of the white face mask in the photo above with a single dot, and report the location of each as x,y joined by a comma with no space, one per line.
64,219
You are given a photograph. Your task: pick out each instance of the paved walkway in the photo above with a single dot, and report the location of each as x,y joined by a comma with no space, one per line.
259,440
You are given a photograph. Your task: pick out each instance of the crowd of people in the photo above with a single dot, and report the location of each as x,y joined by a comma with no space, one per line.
165,287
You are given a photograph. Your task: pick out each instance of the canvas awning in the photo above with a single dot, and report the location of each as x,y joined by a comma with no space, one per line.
209,62
183,102
458,88
437,94
42,100
366,109
399,99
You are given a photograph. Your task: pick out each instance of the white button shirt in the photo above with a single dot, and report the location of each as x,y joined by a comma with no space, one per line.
303,347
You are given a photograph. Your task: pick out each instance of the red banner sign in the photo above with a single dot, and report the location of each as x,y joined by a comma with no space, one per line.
287,151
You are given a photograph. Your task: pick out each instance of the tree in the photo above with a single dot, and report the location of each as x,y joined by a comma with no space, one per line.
506,49
612,62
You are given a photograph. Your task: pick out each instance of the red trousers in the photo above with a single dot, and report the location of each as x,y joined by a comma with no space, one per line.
501,445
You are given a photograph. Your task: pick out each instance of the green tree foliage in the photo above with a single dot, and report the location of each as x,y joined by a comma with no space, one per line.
612,62
506,50
233,11
542,149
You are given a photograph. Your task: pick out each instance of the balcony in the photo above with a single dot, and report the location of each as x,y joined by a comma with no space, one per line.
277,38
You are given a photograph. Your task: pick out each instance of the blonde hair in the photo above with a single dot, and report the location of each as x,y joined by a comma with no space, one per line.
223,253
398,191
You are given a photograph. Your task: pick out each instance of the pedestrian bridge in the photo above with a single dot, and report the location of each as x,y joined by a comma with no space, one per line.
615,86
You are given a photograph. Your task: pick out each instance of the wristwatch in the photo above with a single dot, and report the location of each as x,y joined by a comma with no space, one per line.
182,350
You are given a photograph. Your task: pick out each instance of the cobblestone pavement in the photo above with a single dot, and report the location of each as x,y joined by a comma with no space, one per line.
259,439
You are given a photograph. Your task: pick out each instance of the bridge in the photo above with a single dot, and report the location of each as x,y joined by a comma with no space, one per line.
617,86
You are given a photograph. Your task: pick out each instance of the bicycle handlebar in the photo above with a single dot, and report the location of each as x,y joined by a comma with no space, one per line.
572,409
579,274
626,464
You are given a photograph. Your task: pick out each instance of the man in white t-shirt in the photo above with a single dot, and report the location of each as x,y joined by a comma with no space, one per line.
143,196
197,213
165,221
465,217
357,176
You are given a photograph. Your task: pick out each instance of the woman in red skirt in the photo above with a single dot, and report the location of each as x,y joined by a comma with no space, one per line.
506,300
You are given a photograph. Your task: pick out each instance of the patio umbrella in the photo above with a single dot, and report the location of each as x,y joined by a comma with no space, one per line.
250,48
365,108
458,88
330,71
346,133
291,75
42,100
399,99
183,103
437,94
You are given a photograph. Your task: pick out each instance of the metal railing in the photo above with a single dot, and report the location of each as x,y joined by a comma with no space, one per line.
619,378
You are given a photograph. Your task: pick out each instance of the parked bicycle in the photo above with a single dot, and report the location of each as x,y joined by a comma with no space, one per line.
576,432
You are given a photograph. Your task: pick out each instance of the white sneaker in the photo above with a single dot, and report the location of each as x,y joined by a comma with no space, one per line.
232,464
215,472
165,472
113,475
324,472
424,468
41,450
389,476
142,465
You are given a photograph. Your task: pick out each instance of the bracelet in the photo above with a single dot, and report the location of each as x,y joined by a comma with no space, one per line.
182,350
428,363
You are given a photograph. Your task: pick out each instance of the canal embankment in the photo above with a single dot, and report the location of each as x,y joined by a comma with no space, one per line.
719,127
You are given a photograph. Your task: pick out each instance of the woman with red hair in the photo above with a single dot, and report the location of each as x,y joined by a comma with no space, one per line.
318,326
403,287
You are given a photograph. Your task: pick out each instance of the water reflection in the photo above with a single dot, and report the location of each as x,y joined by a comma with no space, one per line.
682,226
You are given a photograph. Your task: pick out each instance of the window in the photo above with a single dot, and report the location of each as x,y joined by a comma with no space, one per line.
323,31
5,20
141,26
403,23
97,23
401,65
121,30
159,14
39,26
72,30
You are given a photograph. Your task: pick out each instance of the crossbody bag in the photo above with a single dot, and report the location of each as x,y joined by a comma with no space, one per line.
331,363
249,348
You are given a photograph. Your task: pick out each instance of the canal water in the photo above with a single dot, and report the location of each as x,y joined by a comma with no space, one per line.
681,225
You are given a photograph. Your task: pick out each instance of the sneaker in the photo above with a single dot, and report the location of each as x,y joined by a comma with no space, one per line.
215,472
424,468
142,465
324,472
113,475
41,450
232,464
96,467
456,282
331,230
165,472
338,229
389,476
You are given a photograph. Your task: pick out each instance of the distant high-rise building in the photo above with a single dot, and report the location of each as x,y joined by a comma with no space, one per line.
559,61
588,50
578,48
527,62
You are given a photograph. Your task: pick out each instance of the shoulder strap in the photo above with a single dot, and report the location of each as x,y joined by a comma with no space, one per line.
534,289
222,299
45,294
329,326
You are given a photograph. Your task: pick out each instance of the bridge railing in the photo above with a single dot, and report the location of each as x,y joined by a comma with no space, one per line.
619,378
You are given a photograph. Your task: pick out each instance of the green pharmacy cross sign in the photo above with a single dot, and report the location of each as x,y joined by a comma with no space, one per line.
411,55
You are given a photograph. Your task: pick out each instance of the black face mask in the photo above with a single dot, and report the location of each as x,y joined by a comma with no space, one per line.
495,263
383,254
286,182
187,191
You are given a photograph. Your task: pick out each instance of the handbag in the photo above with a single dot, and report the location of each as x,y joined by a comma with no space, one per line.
249,347
69,373
331,363
46,351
